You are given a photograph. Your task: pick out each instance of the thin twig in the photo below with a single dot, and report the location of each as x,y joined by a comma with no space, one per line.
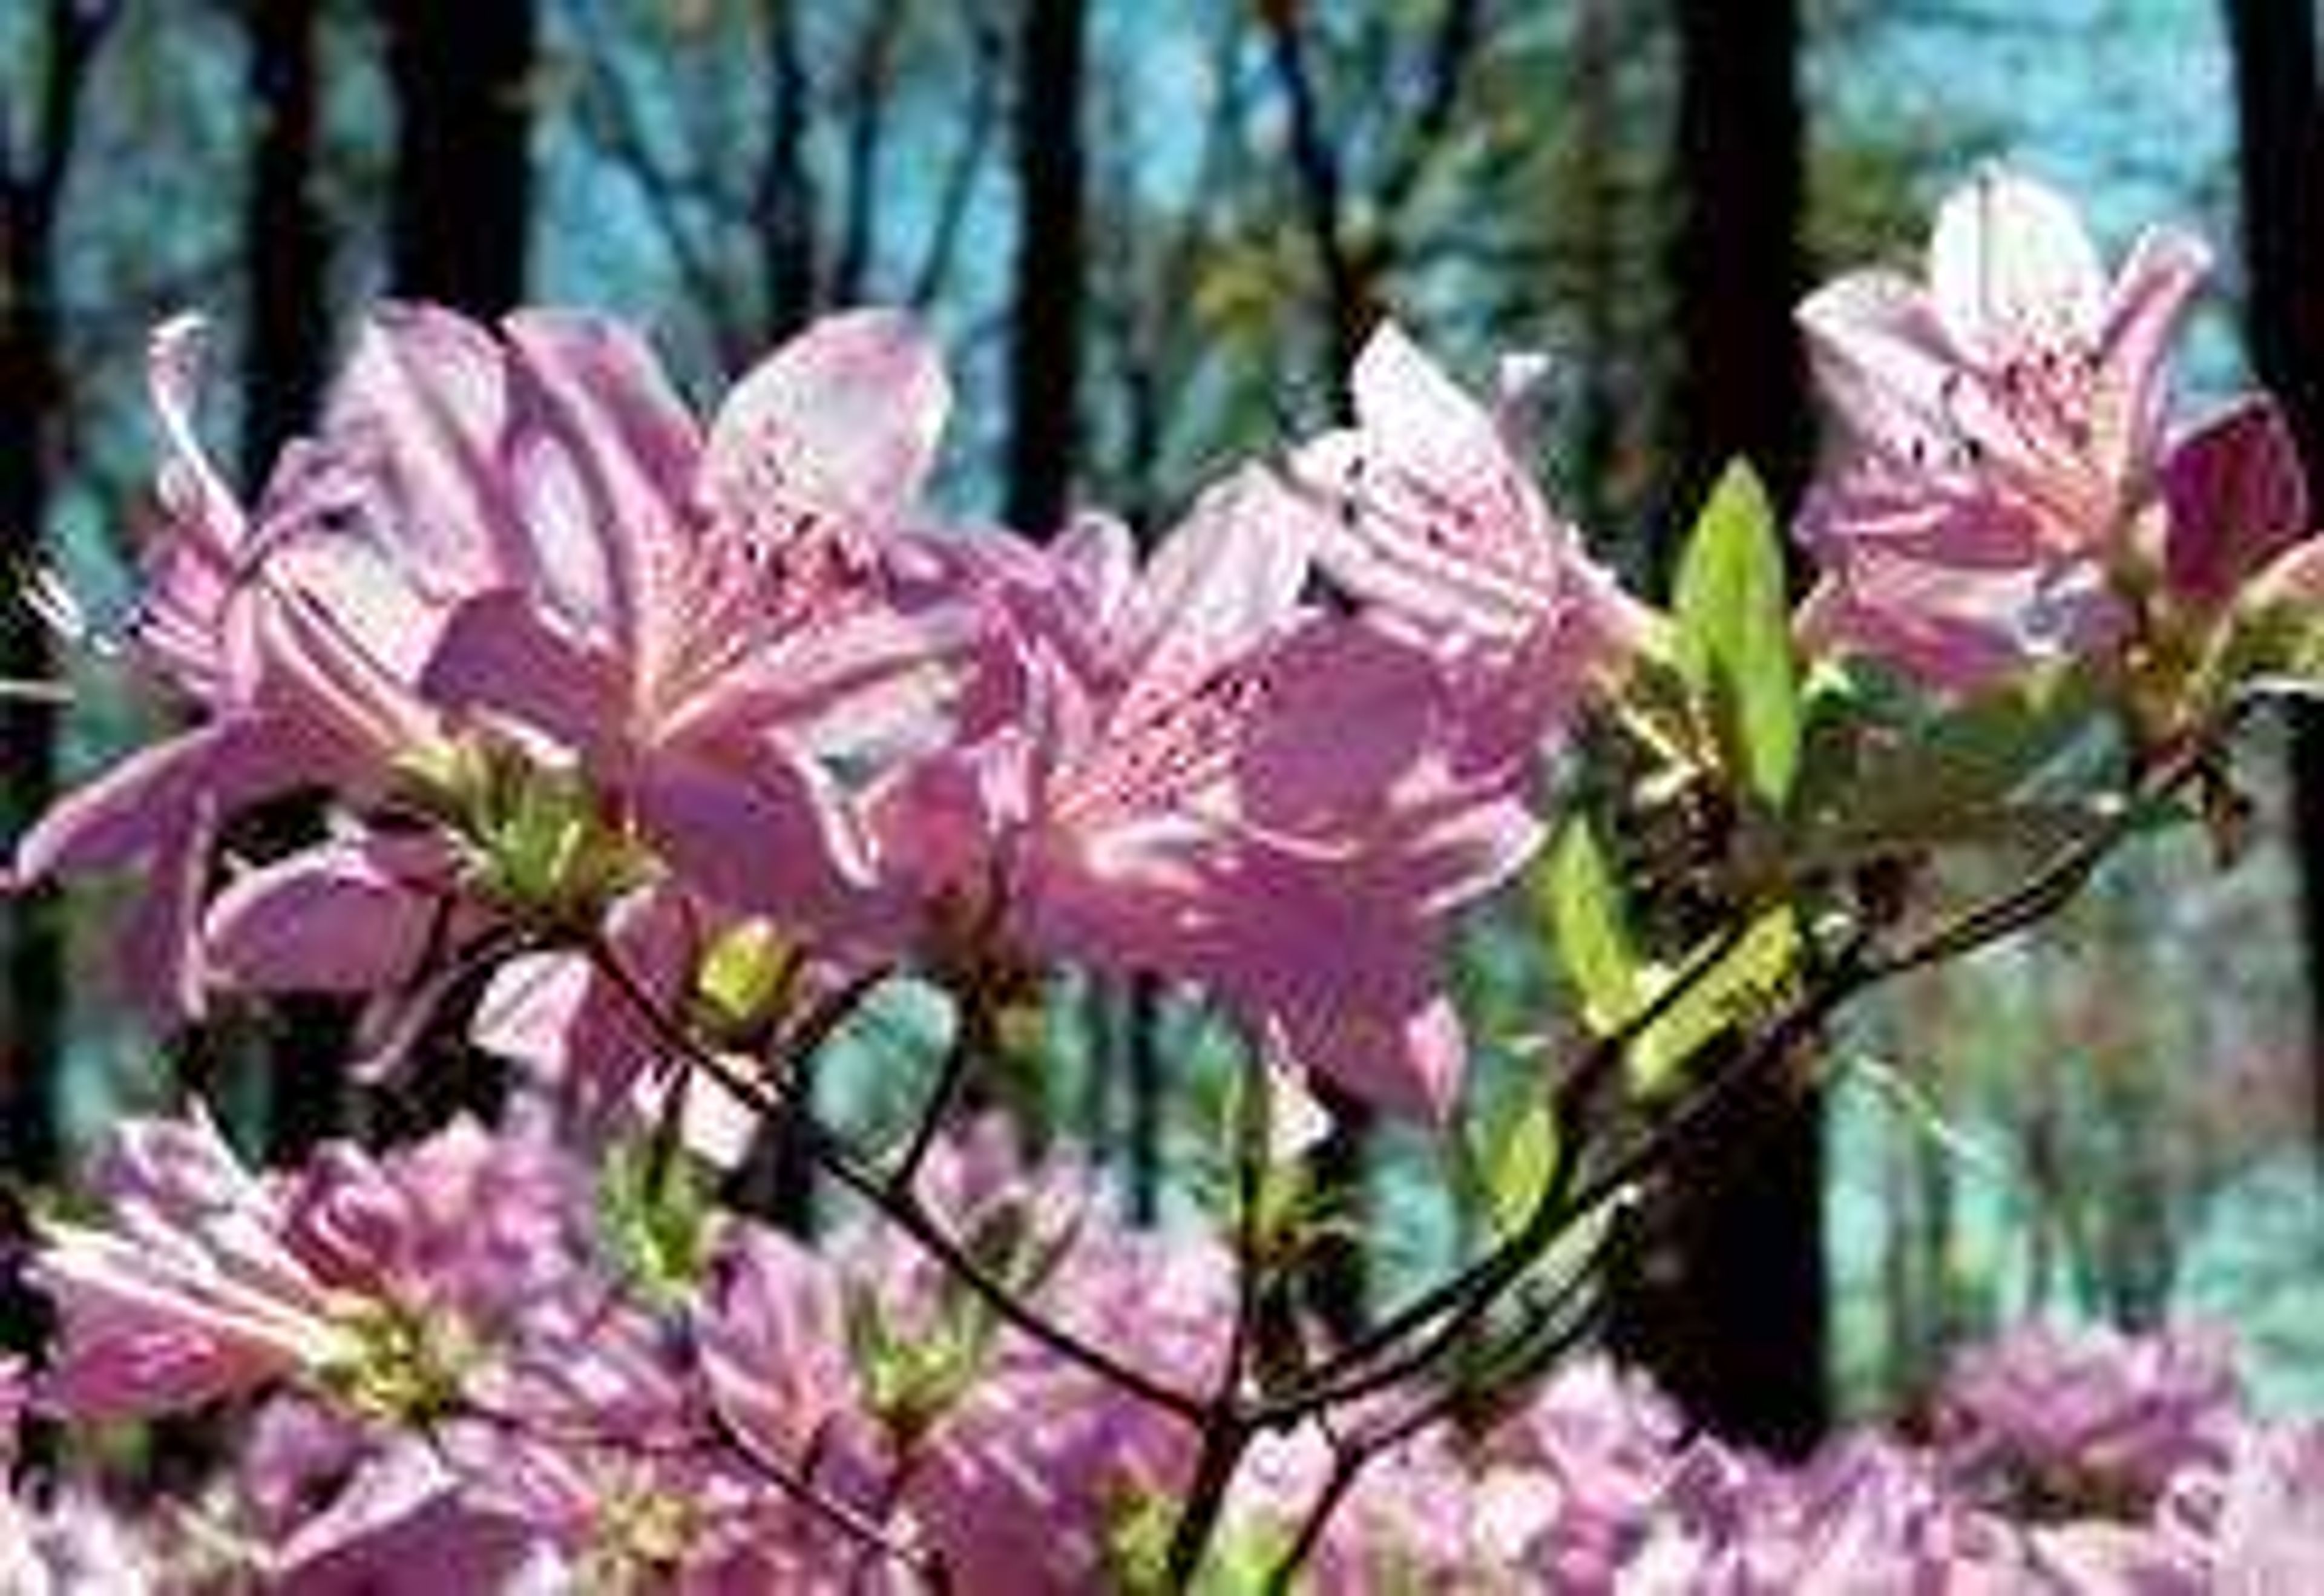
903,1211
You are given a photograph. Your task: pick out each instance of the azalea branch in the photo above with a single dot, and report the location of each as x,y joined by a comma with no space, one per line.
2051,887
867,1530
903,1210
1575,1099
1454,1329
1351,1457
1460,29
1321,182
1226,1431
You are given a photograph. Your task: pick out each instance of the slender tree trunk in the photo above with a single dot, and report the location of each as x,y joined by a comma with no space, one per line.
2280,145
287,318
33,997
1590,108
1725,1297
868,85
461,206
786,197
288,251
1051,269
460,210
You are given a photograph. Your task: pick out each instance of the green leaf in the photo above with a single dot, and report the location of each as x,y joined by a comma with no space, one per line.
1582,903
1752,975
656,1220
1584,909
1959,776
1733,613
2275,648
1243,1552
1520,1161
742,975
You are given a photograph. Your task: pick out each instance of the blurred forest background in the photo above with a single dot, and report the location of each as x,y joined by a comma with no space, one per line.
1151,233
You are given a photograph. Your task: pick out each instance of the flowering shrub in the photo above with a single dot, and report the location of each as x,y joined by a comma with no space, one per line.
655,748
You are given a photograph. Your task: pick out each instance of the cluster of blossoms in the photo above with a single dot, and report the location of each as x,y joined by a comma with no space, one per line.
483,1368
653,748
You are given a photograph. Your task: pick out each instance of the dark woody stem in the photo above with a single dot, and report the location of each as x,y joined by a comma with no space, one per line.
902,1210
1226,1431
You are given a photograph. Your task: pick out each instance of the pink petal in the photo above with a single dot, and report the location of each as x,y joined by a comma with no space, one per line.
1413,410
1884,362
139,804
423,404
843,420
159,954
769,834
2011,270
196,498
499,654
1409,1065
2145,310
339,917
2237,497
1221,582
607,456
120,815
1433,518
1347,715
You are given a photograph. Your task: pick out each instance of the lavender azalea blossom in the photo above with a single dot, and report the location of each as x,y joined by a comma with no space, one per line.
1173,788
703,622
2057,1413
296,632
1442,532
195,1291
2000,434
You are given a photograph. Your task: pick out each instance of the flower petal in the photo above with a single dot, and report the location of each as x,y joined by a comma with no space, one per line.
842,421
344,916
2011,270
2237,497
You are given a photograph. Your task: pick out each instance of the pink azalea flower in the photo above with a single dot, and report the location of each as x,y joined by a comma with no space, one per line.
2092,1410
1999,435
298,630
706,621
402,1523
358,915
2269,1534
773,1349
354,1279
1202,776
192,1293
1445,535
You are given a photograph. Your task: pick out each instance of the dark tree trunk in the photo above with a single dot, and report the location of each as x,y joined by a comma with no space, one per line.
1724,1294
1736,257
1045,353
33,999
282,376
2281,143
463,185
868,84
786,198
288,253
460,212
